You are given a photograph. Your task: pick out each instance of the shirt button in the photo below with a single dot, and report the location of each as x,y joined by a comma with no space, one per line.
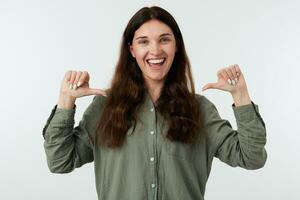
153,185
152,109
152,159
152,132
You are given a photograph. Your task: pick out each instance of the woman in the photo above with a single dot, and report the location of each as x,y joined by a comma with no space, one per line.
150,136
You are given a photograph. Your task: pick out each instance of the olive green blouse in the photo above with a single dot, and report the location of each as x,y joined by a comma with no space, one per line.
148,166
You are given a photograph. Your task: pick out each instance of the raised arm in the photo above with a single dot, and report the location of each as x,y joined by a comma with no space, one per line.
244,147
67,147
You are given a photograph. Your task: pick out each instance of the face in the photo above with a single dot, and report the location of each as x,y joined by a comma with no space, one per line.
154,48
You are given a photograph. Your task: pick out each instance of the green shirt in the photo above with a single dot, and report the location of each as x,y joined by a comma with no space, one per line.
149,166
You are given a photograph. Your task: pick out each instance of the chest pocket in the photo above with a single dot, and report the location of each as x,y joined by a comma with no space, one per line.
180,150
177,150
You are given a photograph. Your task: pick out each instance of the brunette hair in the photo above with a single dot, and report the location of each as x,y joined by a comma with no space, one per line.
177,102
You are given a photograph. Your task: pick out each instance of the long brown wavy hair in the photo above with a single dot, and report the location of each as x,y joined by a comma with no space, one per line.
177,102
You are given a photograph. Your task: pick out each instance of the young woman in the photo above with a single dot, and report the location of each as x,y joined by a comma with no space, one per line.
150,136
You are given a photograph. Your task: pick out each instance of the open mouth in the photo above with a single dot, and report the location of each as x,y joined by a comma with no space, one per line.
156,63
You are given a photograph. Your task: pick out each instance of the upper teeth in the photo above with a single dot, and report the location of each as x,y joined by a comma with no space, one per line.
155,61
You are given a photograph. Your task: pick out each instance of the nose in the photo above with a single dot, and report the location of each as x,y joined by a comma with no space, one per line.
155,48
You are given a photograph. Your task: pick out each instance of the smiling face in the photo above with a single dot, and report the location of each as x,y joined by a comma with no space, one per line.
154,48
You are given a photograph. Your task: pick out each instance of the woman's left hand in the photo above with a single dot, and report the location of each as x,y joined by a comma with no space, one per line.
230,79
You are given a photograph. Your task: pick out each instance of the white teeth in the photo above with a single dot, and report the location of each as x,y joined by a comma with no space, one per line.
156,61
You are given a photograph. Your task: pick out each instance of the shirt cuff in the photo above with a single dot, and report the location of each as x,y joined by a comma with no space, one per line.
60,116
247,112
63,115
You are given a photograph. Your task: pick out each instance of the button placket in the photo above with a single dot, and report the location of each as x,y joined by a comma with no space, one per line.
152,156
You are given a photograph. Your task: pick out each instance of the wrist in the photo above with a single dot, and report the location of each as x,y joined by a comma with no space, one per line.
241,98
66,102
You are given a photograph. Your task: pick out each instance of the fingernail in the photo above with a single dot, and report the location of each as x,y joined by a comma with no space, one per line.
236,80
233,82
74,87
78,84
229,81
71,86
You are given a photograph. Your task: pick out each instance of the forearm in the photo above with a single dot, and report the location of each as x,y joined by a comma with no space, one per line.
68,147
243,147
58,140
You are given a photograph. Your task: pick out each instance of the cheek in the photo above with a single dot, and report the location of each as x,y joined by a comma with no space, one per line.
139,54
171,50
171,56
139,57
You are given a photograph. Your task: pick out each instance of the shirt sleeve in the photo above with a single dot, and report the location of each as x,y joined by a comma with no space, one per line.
67,147
244,147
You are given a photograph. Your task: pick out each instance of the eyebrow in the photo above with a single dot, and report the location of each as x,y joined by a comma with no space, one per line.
143,37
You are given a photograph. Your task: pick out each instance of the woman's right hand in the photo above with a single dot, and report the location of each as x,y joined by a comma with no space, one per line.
75,84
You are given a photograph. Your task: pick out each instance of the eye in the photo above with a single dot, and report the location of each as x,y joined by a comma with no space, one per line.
165,39
143,42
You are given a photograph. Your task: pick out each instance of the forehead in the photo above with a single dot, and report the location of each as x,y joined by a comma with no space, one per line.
152,28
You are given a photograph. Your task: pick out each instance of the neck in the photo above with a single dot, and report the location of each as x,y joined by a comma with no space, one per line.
154,90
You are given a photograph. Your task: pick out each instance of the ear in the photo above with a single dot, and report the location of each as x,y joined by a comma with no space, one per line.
131,51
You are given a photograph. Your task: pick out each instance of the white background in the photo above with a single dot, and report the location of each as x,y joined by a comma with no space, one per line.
40,40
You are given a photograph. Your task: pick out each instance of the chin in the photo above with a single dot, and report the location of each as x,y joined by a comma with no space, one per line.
156,78
153,77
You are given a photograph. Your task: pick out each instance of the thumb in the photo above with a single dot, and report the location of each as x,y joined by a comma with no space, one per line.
93,91
209,86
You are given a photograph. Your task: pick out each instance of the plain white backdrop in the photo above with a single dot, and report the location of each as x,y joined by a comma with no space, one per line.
40,40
